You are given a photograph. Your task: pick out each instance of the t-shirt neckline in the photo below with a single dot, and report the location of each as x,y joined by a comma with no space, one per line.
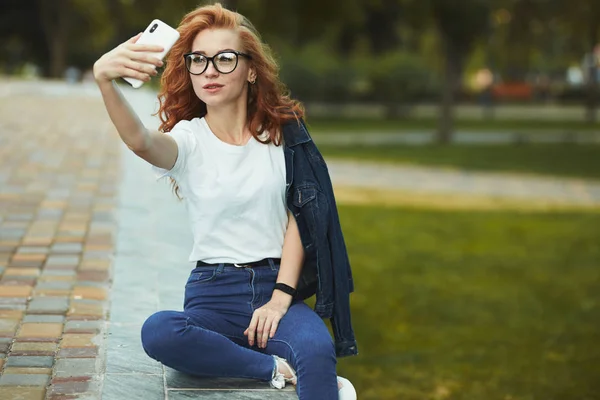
232,148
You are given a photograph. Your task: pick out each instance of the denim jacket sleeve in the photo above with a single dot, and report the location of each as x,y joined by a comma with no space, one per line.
326,271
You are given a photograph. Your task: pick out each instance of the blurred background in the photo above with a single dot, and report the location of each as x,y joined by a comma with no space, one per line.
463,140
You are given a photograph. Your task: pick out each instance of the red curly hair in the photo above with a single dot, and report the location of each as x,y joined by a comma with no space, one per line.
269,104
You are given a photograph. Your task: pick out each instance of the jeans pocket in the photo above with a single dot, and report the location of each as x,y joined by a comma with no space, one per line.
207,275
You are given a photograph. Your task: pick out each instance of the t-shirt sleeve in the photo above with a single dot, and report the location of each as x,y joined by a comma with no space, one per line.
183,136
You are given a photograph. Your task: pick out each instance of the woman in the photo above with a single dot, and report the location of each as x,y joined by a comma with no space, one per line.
226,114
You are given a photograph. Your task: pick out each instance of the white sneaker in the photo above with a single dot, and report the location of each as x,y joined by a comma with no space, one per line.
347,391
279,380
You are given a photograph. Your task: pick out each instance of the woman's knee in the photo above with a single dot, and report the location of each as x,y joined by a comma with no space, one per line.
314,349
157,332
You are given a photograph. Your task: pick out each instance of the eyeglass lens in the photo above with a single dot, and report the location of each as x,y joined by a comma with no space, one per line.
223,62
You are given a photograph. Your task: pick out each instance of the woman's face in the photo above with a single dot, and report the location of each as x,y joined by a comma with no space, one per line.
213,87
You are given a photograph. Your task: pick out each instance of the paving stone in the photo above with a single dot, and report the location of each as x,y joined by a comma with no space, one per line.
84,326
51,293
8,326
22,393
40,330
48,305
58,272
15,291
95,265
30,361
72,387
17,281
24,380
44,318
62,260
22,271
73,367
77,340
144,386
35,346
87,292
11,314
78,352
67,248
33,353
26,264
28,257
12,306
28,370
37,241
59,285
83,309
93,276
33,250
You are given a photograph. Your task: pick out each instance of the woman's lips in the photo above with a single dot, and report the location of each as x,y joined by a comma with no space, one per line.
212,87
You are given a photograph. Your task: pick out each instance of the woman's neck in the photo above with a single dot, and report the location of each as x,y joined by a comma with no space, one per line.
229,123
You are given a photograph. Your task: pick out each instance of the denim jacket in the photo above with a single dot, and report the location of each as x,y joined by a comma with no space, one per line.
326,271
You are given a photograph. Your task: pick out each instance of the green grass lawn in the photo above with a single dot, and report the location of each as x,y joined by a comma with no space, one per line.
324,125
477,305
550,159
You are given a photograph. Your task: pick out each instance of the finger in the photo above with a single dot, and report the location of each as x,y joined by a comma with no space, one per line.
260,332
145,58
141,67
135,38
274,327
132,73
153,48
266,331
252,330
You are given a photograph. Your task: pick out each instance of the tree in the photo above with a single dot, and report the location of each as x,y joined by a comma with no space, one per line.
56,18
582,21
460,23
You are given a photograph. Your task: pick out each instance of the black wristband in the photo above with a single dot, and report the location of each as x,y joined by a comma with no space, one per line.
285,289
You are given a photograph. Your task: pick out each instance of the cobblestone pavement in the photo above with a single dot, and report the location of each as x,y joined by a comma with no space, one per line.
58,180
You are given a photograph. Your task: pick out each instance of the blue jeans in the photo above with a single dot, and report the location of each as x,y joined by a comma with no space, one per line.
207,337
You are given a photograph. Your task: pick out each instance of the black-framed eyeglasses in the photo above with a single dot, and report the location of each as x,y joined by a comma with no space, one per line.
225,61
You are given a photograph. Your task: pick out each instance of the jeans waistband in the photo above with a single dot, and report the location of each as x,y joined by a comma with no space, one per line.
260,263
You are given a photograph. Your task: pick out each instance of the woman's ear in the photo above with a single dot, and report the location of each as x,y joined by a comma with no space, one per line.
251,75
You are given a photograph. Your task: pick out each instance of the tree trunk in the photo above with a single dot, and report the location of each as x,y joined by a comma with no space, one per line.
592,100
56,18
449,86
58,56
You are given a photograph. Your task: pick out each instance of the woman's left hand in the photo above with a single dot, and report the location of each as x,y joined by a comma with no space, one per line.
266,319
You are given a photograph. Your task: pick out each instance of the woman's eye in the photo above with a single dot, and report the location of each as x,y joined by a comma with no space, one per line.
226,58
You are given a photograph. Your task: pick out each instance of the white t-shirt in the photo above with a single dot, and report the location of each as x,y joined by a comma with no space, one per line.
234,195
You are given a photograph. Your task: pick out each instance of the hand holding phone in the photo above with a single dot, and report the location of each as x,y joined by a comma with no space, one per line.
159,34
136,59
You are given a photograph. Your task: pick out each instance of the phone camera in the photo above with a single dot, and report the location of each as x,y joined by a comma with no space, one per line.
153,28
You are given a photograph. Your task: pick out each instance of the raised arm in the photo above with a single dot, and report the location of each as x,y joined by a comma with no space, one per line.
133,60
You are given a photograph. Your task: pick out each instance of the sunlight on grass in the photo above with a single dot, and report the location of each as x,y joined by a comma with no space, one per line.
474,305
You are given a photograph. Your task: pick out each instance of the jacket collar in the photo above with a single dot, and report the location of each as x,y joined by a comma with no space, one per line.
295,133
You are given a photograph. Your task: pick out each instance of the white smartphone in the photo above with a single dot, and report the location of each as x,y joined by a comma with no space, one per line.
160,34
